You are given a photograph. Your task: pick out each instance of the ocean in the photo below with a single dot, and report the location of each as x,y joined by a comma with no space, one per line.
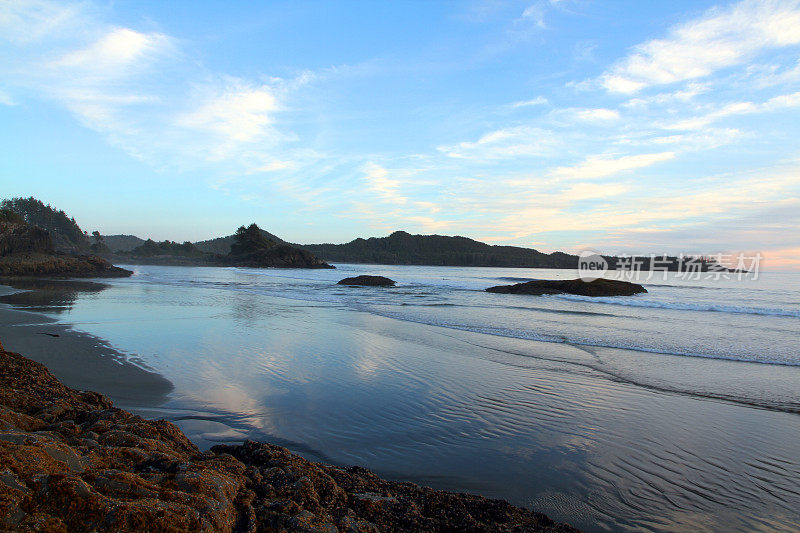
672,410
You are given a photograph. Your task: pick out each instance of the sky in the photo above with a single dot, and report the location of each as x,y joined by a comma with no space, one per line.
624,127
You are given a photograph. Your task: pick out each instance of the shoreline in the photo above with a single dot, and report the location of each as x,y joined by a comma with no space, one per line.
281,382
79,359
96,466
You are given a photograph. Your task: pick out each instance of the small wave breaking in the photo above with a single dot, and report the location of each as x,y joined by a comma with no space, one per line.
682,306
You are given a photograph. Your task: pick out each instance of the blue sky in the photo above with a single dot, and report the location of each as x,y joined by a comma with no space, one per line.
556,124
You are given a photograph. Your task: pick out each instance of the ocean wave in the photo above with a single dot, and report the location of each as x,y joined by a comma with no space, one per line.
681,306
562,339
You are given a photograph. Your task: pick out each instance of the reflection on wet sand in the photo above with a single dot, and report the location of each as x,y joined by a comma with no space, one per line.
78,359
50,295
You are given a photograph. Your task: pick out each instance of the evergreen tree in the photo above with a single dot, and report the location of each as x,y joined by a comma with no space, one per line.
65,231
99,246
249,240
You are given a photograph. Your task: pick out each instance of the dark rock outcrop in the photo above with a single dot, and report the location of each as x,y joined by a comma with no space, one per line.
222,245
70,461
598,287
27,250
60,266
368,281
277,256
252,248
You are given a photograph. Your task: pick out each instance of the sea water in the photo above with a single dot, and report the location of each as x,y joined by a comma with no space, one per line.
675,409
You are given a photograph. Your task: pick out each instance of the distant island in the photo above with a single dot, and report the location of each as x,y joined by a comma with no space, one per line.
254,247
401,248
37,239
30,250
250,246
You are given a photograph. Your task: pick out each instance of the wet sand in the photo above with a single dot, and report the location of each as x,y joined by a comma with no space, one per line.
78,359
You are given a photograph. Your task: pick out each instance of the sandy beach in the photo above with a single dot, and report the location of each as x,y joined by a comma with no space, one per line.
78,359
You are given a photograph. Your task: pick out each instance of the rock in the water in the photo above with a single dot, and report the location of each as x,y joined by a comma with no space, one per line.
368,281
251,248
598,287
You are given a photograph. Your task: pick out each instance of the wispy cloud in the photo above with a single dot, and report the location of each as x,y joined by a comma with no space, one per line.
28,21
592,191
596,114
520,141
112,55
784,101
539,100
233,115
534,14
378,180
112,78
600,167
5,99
722,38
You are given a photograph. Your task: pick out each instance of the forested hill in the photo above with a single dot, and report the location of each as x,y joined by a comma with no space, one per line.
401,248
122,243
222,245
67,236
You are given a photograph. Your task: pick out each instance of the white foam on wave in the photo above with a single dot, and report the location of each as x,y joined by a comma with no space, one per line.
563,339
681,306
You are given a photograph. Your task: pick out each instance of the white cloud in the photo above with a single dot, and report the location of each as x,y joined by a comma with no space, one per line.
272,166
680,96
27,21
378,180
238,113
521,214
6,99
520,141
142,92
706,139
429,206
776,103
118,49
529,174
430,223
720,39
601,167
539,100
89,67
534,13
772,75
591,191
601,114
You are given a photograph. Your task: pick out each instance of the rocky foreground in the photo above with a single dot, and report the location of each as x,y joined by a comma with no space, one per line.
70,461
